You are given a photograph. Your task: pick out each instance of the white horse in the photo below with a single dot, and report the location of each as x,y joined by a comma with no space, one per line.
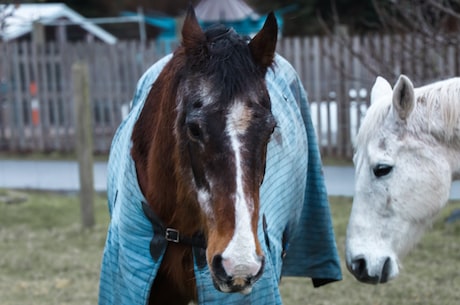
407,154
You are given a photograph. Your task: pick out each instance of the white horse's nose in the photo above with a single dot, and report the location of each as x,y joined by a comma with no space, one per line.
238,268
364,272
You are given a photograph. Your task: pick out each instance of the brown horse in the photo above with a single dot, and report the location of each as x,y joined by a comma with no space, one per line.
214,179
199,147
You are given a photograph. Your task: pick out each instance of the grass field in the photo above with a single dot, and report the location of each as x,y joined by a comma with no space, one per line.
46,258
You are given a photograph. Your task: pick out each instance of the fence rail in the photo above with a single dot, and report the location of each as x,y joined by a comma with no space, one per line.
36,104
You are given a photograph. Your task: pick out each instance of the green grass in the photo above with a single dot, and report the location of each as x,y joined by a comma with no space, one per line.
47,258
45,255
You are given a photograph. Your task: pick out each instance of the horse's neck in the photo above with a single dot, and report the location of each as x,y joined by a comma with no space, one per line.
156,158
453,149
447,146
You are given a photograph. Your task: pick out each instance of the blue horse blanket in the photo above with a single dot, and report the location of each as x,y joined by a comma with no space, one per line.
299,238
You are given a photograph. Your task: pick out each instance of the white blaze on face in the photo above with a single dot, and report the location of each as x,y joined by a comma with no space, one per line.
240,258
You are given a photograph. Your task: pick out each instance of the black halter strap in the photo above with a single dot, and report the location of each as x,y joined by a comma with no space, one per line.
162,235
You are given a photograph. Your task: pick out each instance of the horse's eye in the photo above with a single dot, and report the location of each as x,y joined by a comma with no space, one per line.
197,104
194,131
381,170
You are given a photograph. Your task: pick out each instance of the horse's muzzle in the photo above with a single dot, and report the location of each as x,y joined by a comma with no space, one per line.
241,282
359,268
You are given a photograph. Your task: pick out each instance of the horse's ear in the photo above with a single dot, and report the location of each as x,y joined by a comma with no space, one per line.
403,97
192,34
381,88
263,45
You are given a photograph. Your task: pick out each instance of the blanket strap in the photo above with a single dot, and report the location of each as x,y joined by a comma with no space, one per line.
162,235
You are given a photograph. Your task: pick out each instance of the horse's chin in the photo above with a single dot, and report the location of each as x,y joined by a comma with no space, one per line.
246,290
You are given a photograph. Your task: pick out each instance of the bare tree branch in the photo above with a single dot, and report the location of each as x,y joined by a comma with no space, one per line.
421,33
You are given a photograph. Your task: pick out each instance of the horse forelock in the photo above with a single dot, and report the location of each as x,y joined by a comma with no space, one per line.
226,61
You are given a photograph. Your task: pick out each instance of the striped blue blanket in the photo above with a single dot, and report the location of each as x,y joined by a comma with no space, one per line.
293,199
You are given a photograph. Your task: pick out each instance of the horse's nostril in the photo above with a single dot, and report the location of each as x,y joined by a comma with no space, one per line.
386,271
218,268
359,267
261,269
361,272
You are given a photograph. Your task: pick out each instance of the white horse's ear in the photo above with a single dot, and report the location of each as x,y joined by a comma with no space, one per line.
403,97
381,88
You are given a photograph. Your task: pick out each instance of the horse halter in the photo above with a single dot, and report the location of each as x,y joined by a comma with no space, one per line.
164,235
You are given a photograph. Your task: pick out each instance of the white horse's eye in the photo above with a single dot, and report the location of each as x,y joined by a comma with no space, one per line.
381,170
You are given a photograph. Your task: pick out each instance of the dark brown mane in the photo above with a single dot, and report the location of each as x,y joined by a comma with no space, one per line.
154,143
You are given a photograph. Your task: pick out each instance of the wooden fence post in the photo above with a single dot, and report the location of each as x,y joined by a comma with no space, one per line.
84,141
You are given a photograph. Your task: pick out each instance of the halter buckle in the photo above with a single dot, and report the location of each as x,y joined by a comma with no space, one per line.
172,235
